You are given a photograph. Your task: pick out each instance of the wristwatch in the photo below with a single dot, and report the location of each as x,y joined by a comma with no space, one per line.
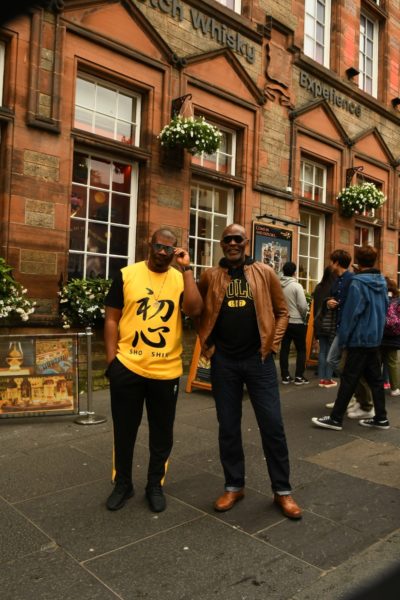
187,268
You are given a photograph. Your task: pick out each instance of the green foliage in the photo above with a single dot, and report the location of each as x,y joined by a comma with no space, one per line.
82,302
13,300
192,133
357,198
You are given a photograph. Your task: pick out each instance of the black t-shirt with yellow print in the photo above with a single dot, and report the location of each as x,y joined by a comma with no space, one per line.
236,333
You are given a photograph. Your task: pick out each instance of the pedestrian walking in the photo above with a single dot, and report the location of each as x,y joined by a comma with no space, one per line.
391,337
296,329
143,330
360,332
243,321
340,262
324,326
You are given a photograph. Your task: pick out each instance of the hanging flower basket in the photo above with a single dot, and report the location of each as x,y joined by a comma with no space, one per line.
13,299
354,199
192,133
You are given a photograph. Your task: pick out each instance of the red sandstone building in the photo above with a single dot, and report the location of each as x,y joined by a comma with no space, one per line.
305,94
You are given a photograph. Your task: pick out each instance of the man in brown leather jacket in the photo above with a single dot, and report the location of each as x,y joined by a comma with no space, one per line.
243,321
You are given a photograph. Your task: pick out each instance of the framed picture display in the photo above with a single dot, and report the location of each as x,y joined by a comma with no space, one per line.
272,245
200,370
38,375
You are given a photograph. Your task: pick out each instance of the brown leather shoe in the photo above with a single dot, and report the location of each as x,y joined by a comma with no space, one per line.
228,500
288,506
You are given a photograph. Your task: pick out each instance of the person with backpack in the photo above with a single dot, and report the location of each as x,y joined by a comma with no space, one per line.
360,332
391,337
296,330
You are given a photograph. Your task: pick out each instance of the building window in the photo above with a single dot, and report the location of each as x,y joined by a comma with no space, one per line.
107,110
313,181
103,209
364,236
317,22
2,66
368,55
224,159
211,210
311,249
232,4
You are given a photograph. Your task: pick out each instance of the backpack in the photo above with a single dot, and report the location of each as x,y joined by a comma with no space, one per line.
392,323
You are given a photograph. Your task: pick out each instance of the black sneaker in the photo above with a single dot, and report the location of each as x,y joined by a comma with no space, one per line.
121,493
327,423
300,381
372,423
286,380
155,498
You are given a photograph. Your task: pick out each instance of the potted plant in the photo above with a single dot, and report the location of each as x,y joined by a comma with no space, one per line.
13,300
354,199
82,302
192,133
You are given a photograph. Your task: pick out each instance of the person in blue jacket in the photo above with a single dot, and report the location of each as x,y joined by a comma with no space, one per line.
360,332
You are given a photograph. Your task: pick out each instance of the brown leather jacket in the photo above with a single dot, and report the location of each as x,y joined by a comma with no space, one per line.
269,301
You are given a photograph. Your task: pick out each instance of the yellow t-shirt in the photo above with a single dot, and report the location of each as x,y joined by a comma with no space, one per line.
150,329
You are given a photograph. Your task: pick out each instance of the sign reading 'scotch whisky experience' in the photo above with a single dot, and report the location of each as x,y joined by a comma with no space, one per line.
38,376
208,26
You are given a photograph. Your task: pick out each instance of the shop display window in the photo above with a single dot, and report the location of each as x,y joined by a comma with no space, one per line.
211,210
102,213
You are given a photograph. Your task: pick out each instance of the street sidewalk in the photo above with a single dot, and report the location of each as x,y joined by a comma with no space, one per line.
58,542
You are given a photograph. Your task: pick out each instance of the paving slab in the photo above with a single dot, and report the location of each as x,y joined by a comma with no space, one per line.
47,470
78,520
372,460
359,504
358,572
19,537
50,575
318,541
182,564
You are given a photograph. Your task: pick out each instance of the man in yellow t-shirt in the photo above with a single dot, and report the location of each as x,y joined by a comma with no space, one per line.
142,332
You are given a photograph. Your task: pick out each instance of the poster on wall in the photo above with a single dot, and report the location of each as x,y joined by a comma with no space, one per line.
38,376
272,245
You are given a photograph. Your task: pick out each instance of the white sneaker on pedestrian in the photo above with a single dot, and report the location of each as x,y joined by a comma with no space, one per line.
353,406
359,413
353,402
395,392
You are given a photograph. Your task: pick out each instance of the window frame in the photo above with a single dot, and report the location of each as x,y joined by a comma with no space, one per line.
237,5
199,160
315,165
197,267
375,55
327,31
118,89
132,219
307,282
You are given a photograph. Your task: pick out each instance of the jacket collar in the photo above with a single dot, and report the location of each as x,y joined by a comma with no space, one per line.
235,271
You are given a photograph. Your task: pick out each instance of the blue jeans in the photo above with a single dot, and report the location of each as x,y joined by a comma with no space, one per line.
325,371
334,355
228,377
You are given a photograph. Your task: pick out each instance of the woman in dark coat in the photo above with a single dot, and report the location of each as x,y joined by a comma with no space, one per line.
324,326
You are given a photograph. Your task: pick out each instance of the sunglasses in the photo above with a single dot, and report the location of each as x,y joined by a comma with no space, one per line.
238,239
167,249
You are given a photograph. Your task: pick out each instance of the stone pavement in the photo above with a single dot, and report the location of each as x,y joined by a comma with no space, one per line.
58,542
